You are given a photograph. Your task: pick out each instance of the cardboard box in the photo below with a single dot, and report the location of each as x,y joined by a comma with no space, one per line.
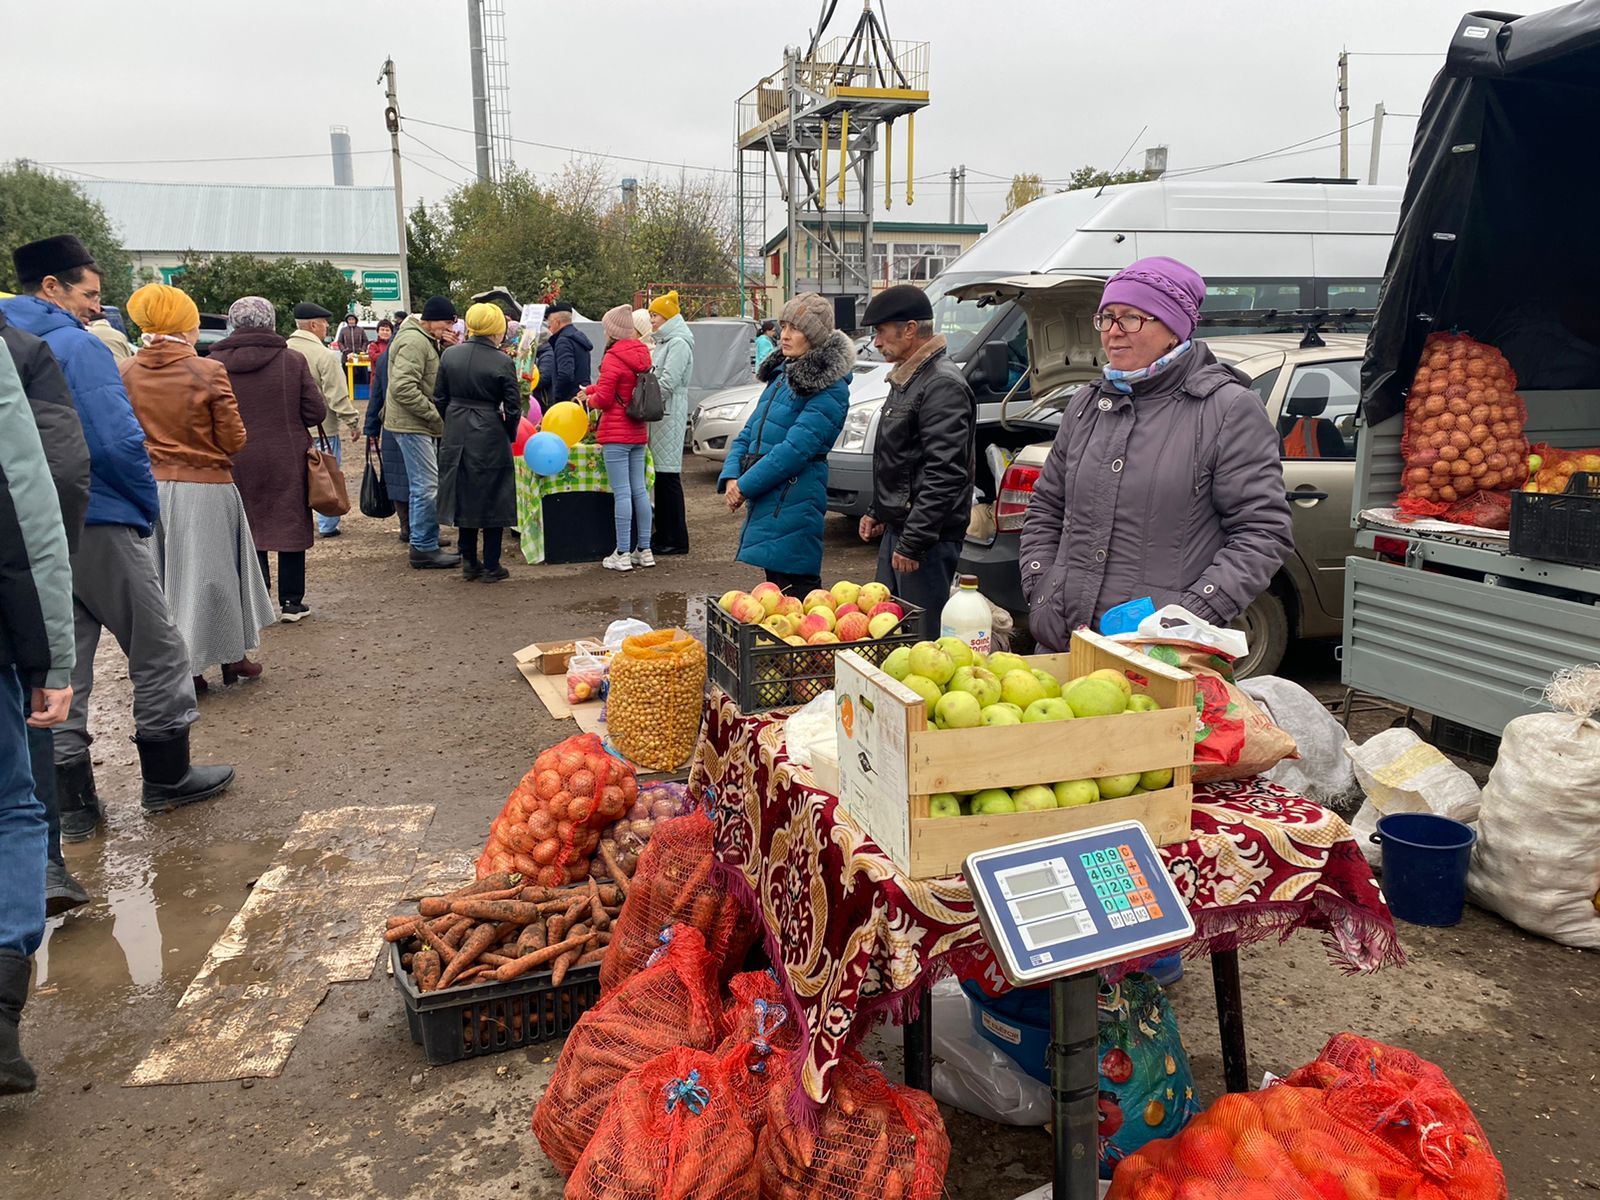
554,656
891,760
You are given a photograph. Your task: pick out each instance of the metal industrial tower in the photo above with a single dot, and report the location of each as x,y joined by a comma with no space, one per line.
491,90
819,124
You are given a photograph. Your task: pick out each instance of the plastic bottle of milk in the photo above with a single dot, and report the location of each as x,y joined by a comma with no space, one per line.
966,616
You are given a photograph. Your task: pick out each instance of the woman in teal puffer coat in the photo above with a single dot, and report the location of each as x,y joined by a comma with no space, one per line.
778,465
674,362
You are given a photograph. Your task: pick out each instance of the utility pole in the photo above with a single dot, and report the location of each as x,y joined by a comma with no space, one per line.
1377,142
962,179
1344,114
480,89
952,195
391,117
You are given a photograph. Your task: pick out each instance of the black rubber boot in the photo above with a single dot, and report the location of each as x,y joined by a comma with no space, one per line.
402,509
79,803
16,1072
62,893
169,780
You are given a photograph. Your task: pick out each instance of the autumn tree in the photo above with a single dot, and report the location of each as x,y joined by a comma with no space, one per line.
34,205
1025,189
215,281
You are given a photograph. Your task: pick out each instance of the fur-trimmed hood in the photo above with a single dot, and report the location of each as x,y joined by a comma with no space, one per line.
814,370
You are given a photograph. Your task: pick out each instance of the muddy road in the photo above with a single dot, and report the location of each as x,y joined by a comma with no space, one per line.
400,690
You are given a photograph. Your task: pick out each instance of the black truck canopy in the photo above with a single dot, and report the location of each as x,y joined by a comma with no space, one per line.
1498,231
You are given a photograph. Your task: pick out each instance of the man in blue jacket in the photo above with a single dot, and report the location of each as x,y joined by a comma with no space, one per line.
565,360
115,582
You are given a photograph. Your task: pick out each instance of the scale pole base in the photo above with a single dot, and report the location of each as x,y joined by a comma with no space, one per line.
1075,1085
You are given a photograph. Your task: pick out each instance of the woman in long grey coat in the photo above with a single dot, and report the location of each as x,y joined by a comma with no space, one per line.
673,357
1164,478
477,394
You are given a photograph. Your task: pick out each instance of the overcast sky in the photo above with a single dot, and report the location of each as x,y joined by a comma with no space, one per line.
1017,85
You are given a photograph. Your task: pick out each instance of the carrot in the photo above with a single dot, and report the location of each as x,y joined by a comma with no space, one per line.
558,973
618,875
530,939
598,918
555,928
591,956
493,959
518,911
426,967
398,922
436,943
521,966
457,932
478,941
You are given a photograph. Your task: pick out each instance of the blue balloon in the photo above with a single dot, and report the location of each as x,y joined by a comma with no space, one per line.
546,454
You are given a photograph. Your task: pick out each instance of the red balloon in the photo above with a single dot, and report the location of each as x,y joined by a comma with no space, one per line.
525,430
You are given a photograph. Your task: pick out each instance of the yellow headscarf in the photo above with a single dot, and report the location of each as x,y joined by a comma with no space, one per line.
162,308
486,320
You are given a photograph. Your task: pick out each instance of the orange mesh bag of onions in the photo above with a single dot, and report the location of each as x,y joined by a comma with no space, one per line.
551,823
1463,428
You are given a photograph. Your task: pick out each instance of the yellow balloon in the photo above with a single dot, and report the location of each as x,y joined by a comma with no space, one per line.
567,421
533,377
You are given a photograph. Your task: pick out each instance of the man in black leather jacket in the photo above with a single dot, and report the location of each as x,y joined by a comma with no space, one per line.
922,460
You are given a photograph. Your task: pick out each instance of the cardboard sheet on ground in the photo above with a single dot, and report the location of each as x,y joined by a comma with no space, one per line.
315,917
552,693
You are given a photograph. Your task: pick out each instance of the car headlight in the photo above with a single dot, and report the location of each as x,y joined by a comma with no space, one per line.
721,412
853,437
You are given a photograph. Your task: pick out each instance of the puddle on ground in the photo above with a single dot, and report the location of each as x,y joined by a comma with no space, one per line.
158,907
664,610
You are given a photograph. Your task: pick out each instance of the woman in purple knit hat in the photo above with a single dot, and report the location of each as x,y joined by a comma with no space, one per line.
1164,478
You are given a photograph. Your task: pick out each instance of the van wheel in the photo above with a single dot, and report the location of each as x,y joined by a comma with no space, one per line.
1266,624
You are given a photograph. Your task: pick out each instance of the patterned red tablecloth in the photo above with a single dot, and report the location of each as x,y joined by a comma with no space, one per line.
852,936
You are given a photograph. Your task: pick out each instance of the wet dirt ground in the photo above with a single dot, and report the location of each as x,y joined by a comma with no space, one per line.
400,689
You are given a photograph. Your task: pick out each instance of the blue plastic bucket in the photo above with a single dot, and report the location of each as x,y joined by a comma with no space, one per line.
1425,866
1018,1023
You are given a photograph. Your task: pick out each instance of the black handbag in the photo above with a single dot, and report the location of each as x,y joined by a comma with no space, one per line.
375,500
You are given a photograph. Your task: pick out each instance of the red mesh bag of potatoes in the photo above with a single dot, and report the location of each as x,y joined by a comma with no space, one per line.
1463,426
675,1130
1408,1103
673,885
550,825
874,1140
671,1004
758,1038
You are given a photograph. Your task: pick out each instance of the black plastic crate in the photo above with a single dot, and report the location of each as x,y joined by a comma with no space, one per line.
1464,741
486,1018
744,661
1559,527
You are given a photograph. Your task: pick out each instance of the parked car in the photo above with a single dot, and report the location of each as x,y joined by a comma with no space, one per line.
718,420
1309,385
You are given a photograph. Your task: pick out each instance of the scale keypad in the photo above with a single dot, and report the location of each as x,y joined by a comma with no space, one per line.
1120,886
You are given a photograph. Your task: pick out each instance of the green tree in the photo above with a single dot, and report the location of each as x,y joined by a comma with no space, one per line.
1025,189
1094,177
681,232
429,250
216,281
36,205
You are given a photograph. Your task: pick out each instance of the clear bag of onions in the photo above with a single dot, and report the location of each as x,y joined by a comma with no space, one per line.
657,698
1464,426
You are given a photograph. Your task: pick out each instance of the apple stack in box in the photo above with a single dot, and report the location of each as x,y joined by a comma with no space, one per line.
846,612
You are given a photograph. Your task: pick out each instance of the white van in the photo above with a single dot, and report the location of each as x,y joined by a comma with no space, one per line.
1257,245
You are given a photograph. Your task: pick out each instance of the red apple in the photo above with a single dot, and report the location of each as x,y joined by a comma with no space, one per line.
853,627
887,606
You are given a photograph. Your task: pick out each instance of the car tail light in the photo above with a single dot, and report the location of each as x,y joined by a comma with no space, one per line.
1016,493
1391,547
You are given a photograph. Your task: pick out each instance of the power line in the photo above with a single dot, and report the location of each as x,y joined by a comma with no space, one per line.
417,162
142,162
650,162
440,153
1393,54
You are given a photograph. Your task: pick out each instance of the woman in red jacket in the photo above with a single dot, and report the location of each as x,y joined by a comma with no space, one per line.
622,439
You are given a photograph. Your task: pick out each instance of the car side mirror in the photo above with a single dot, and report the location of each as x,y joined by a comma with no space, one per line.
991,368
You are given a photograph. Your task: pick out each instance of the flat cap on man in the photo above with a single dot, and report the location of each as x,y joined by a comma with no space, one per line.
307,310
902,302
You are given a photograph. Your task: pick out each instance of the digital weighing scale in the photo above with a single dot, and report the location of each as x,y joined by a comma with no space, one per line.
1056,910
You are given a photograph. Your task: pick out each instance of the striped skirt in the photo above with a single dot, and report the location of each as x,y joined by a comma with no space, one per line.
210,573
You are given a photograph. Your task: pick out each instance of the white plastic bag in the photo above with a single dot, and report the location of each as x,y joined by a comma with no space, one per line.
1175,623
619,631
809,726
1322,773
1399,772
1537,861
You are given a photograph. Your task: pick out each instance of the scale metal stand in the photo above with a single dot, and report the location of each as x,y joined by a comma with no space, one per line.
1055,911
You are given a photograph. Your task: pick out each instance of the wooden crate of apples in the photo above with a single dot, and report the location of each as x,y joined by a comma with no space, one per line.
943,752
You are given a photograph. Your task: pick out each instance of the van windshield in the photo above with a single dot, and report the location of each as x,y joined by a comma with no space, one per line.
959,320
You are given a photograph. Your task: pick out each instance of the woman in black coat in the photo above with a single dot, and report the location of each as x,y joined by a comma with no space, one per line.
477,394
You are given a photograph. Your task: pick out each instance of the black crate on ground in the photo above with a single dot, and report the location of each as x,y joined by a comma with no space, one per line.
1559,527
1464,741
759,673
476,1019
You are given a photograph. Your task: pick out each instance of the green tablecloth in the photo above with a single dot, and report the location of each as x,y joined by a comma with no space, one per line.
585,472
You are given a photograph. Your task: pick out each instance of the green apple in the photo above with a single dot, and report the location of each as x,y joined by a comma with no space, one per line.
960,653
1020,688
1047,710
1090,697
1034,798
1154,781
1142,703
931,662
958,710
944,804
1002,661
1111,675
993,800
1113,787
1002,714
1074,792
978,682
1011,707
925,688
1050,684
898,664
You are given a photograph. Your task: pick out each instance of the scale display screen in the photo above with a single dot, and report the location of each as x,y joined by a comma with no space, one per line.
1060,905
